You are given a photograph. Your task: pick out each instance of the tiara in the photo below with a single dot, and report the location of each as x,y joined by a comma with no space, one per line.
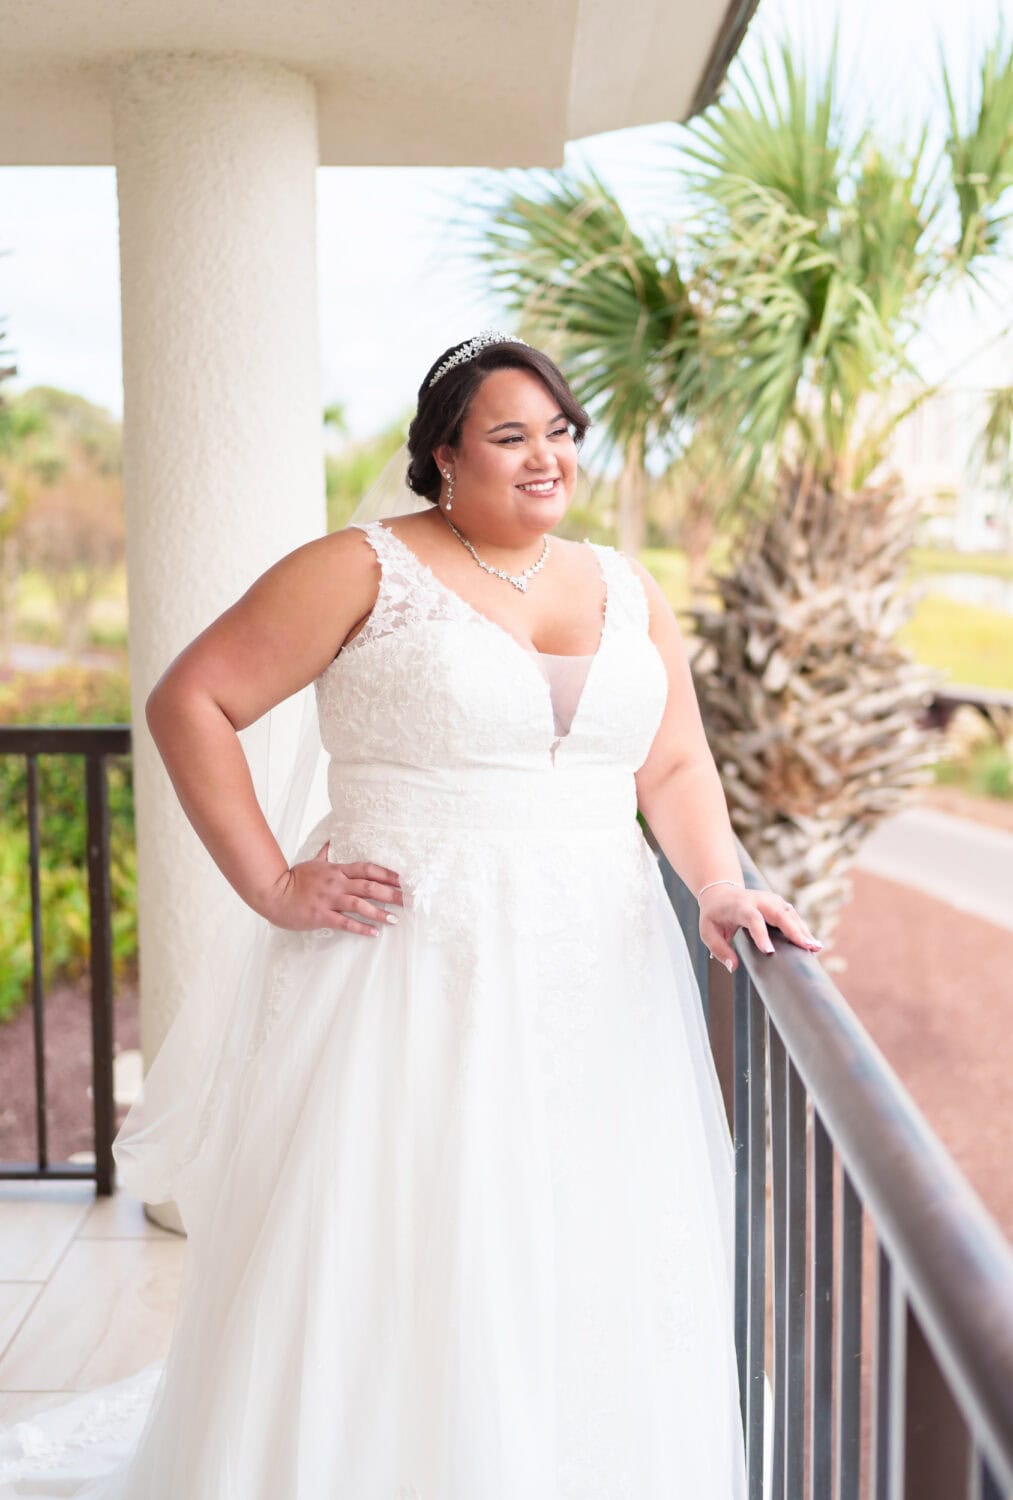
475,346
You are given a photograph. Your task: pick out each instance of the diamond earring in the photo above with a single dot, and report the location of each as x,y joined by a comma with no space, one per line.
450,487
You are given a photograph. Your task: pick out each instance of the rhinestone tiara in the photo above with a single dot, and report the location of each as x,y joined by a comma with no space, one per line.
474,346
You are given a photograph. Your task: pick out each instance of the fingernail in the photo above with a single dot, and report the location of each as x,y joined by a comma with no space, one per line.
729,965
391,917
770,949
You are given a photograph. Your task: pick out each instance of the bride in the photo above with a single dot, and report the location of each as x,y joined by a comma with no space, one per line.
441,1120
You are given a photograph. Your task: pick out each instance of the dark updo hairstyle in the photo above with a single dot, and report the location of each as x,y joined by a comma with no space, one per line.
442,410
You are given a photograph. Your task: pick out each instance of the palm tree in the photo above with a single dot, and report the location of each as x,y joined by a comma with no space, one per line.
777,322
993,448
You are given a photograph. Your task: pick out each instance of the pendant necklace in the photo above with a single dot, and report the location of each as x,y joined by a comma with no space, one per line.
519,580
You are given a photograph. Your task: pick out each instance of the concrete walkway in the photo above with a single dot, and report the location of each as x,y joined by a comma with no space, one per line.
967,865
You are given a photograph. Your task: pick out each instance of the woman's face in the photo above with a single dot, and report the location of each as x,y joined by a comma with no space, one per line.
513,438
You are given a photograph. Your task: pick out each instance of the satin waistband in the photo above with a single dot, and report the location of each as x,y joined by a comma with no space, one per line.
475,798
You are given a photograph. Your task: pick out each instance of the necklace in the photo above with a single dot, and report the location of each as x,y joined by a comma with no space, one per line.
519,580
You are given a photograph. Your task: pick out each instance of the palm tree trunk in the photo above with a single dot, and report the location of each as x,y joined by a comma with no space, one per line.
814,714
632,495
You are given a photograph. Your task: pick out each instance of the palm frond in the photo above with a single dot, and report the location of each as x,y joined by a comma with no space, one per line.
980,153
606,302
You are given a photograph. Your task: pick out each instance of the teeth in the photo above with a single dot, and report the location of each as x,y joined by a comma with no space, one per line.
541,487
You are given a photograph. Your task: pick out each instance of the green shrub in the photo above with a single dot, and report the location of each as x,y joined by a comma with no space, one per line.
64,695
992,772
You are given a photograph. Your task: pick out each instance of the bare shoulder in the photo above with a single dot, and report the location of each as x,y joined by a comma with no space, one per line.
283,631
340,567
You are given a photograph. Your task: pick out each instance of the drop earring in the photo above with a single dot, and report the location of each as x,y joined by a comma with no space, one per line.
450,487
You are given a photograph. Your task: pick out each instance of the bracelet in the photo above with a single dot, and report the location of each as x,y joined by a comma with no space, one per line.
707,887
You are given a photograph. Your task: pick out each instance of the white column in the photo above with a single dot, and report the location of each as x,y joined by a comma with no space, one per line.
216,163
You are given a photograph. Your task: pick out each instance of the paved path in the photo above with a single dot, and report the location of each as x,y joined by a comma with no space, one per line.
967,865
33,656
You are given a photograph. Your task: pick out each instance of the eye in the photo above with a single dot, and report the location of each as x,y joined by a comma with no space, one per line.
517,438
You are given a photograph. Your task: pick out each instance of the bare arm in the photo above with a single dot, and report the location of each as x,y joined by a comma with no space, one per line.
274,640
679,791
680,794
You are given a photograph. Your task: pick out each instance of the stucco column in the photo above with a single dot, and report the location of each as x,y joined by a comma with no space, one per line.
216,163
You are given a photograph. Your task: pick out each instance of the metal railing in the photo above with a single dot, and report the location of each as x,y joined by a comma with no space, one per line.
95,743
797,1067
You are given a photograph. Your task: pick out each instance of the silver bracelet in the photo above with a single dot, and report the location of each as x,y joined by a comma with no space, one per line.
707,887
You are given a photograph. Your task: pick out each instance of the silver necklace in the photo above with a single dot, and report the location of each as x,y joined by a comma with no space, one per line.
519,580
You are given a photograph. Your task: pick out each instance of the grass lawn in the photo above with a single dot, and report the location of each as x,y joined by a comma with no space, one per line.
935,560
971,644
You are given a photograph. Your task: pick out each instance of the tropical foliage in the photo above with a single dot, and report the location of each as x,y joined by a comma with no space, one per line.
756,347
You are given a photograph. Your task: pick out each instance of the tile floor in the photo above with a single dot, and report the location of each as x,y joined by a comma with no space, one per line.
88,1290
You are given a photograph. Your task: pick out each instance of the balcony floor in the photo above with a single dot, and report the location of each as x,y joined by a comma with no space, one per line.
88,1290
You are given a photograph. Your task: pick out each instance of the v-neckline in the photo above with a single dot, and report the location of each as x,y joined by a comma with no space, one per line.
532,650
529,653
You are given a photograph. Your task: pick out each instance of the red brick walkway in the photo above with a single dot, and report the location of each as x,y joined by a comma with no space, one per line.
932,986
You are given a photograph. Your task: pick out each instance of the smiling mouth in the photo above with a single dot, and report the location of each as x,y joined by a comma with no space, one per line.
540,486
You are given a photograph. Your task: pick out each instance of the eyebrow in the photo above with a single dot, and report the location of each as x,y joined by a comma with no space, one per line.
500,425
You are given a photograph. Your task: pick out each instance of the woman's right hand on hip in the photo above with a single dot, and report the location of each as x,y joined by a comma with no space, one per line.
318,893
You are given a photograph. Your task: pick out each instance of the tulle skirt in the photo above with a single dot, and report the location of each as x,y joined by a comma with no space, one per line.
463,1226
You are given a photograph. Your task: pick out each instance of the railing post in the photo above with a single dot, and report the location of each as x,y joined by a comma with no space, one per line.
740,1140
38,1008
937,1447
757,1238
100,917
777,1083
849,1341
821,1320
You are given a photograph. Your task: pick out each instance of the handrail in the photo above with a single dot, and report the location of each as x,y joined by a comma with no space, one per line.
955,1261
786,1042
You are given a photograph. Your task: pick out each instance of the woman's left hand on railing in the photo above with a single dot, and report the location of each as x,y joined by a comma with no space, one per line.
726,908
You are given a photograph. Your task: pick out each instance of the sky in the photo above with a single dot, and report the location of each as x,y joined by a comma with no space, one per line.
391,298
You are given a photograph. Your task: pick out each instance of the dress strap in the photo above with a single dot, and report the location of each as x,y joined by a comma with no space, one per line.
628,605
408,592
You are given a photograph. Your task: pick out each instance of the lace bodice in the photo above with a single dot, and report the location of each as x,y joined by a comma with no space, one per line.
413,688
472,764
480,769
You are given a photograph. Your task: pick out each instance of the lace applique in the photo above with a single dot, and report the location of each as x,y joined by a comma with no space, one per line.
40,1452
449,878
287,951
408,593
431,683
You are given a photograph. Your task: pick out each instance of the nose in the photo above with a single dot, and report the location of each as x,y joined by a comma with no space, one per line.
540,457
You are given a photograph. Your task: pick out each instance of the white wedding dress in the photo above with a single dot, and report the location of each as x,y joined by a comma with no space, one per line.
472,1239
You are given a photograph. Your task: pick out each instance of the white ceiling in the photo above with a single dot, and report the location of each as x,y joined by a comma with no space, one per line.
399,82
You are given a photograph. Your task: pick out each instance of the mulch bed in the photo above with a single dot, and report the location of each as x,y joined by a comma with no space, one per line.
67,1032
